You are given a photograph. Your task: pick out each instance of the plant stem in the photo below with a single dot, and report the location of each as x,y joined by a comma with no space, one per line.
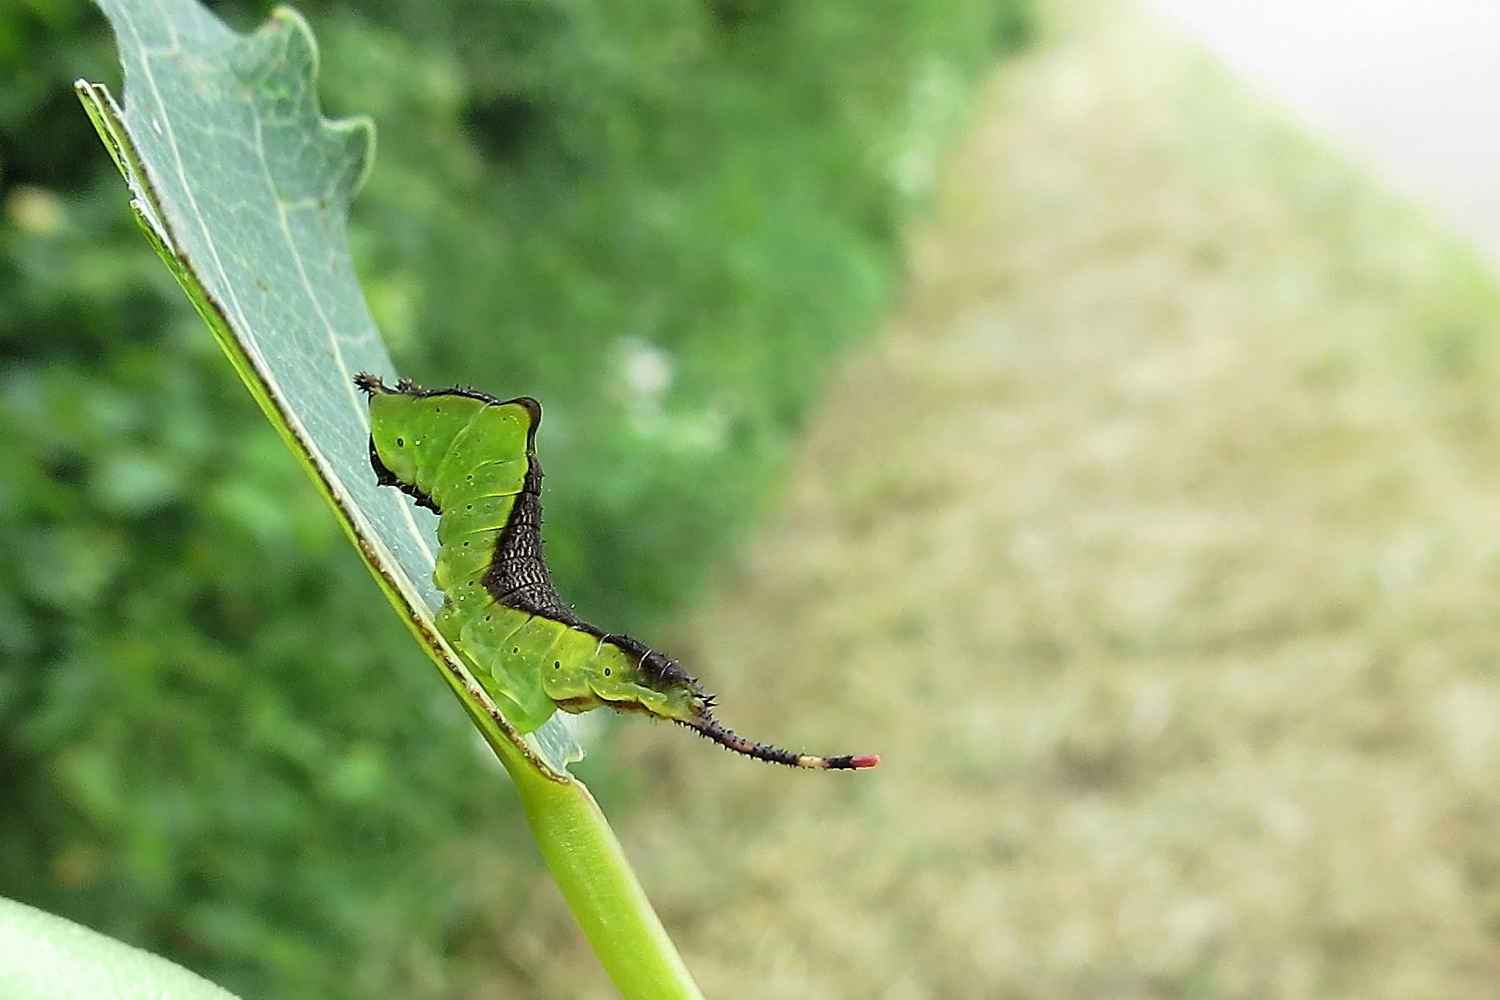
600,887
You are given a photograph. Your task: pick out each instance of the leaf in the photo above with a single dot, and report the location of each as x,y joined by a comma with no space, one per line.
243,188
43,957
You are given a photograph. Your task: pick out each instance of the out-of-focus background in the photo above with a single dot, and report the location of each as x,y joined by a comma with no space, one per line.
1003,387
1409,87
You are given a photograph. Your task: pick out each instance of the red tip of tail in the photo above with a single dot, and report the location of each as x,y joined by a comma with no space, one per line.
868,760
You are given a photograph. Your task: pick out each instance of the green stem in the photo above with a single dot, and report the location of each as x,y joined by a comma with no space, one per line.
586,860
600,887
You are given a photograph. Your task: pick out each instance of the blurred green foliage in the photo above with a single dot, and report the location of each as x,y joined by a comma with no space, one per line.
664,219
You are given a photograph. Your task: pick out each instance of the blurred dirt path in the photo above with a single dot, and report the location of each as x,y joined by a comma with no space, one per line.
1156,547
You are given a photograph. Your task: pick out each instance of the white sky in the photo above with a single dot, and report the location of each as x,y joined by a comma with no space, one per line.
1413,86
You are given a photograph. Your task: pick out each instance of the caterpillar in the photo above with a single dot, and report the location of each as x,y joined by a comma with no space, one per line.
470,458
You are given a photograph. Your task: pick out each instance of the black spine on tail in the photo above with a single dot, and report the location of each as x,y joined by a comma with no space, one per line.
709,728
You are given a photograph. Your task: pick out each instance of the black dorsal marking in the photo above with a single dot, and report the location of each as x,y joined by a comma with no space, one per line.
518,576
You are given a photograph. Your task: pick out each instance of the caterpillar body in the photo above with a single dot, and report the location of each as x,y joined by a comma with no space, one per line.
471,459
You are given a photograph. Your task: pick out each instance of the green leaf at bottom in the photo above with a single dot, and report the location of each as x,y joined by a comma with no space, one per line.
43,957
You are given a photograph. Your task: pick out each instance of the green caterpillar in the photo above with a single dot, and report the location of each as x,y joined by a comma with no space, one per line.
471,459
